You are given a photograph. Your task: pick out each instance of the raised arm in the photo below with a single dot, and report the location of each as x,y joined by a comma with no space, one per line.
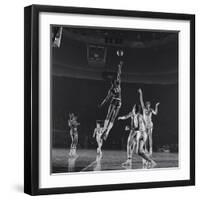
77,123
95,131
119,71
141,98
69,122
106,98
155,112
125,116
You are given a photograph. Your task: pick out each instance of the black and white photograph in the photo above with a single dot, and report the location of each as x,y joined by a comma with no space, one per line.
109,100
98,100
114,99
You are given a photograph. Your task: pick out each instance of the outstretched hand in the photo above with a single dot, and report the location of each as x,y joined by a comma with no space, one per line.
140,90
157,104
119,118
134,108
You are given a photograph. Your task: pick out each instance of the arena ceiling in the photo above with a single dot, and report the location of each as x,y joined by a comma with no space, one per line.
149,56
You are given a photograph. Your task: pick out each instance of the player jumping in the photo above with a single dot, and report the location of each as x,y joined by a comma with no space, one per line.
114,94
147,113
97,133
73,124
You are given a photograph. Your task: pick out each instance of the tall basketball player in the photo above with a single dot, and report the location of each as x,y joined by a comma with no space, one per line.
147,114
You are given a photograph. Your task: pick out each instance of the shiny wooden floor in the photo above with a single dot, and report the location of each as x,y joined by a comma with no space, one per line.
88,160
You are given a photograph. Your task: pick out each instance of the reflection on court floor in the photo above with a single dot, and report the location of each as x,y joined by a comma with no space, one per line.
88,160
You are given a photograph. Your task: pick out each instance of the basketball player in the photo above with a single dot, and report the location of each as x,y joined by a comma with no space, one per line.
114,94
137,137
97,133
73,124
147,114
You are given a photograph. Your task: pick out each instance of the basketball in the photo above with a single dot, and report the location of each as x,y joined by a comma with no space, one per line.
120,53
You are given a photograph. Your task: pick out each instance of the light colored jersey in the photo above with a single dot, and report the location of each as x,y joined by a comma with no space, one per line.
98,133
139,122
147,114
73,124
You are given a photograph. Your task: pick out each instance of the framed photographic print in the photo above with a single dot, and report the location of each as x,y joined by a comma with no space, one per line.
109,100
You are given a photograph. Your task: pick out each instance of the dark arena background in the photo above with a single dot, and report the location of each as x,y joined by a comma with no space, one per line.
83,62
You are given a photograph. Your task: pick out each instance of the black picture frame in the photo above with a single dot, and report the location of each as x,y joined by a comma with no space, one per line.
31,98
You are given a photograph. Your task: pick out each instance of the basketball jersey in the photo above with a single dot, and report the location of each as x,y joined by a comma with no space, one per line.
147,117
116,92
139,122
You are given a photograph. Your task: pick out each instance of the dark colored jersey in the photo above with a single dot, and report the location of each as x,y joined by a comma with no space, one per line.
73,124
116,92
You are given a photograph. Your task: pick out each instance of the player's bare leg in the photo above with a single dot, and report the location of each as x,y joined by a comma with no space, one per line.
149,161
130,148
143,154
115,111
138,149
150,130
107,120
100,143
138,136
144,162
73,146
